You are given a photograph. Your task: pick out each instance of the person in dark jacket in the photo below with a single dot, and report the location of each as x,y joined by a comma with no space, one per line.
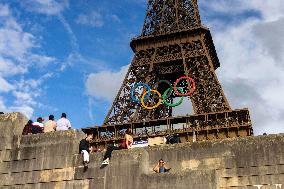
85,148
28,128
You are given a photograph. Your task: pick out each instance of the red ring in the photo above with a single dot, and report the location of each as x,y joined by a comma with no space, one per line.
190,91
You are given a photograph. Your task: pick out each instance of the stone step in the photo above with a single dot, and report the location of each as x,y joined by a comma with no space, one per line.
74,184
51,162
251,171
37,176
251,180
201,179
32,152
270,186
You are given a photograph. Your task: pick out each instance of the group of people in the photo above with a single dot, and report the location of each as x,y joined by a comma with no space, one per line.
85,149
51,125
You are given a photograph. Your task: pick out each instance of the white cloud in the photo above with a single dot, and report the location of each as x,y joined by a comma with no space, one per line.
48,7
5,86
94,19
55,8
15,43
4,10
26,110
3,107
73,39
16,46
224,6
41,60
73,58
9,68
270,10
97,19
16,59
105,84
24,97
251,56
272,41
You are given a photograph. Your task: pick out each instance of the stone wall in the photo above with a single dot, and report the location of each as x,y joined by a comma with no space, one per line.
51,161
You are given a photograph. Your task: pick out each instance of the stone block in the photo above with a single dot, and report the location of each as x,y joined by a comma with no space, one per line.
5,155
98,182
37,176
73,184
52,162
52,138
31,152
12,123
9,142
57,162
251,180
90,173
185,180
60,149
251,171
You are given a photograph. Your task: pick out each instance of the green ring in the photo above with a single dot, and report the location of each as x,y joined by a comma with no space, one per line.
165,95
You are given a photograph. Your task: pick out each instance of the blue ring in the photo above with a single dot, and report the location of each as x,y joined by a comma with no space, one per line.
134,87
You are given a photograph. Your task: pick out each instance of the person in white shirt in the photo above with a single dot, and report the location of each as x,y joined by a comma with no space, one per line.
37,127
63,123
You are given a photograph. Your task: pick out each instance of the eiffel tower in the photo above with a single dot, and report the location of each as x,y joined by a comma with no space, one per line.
174,44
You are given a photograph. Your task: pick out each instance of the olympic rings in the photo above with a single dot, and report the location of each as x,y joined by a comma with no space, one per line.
190,91
133,89
155,106
165,96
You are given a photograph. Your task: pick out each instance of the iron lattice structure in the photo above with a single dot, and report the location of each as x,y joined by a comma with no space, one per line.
165,16
173,43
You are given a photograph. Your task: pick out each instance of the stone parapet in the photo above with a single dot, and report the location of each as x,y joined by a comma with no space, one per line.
51,161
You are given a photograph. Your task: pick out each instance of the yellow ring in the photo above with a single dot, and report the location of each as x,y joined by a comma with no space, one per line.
153,107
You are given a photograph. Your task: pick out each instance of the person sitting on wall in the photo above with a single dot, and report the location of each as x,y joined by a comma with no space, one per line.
160,167
28,128
85,149
37,127
126,144
50,125
63,123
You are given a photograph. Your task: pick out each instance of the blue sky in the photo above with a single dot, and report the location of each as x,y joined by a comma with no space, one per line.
71,56
79,37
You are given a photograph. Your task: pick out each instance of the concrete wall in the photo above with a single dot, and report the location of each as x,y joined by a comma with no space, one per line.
47,161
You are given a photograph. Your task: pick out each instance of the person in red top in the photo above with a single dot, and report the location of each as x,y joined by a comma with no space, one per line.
28,128
126,144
